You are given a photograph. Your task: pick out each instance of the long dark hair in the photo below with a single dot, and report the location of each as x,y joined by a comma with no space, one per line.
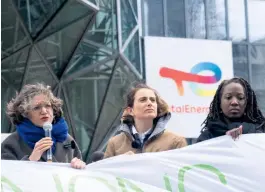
252,111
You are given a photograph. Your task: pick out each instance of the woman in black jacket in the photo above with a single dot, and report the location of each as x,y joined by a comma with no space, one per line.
233,111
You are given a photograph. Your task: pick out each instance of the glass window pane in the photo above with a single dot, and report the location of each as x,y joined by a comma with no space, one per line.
216,19
38,72
175,18
85,96
106,4
257,59
133,3
237,22
92,1
66,113
13,67
85,55
71,12
240,61
36,13
196,19
128,20
97,44
114,102
132,52
261,101
256,15
58,47
104,29
153,17
13,36
7,93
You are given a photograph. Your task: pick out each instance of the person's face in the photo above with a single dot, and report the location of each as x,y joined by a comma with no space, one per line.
233,100
145,104
40,110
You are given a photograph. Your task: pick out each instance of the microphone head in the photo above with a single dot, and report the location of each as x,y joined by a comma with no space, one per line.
47,126
136,144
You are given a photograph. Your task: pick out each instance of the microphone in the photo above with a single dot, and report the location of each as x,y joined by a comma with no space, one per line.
136,144
69,145
48,133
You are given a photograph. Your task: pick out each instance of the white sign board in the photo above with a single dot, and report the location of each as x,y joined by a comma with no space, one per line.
219,165
186,73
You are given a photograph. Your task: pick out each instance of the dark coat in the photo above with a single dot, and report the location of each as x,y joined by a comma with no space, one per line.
210,132
14,148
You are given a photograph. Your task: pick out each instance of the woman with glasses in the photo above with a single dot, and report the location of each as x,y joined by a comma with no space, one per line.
28,111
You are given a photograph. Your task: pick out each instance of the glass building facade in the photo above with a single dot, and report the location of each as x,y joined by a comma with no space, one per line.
90,51
87,51
239,21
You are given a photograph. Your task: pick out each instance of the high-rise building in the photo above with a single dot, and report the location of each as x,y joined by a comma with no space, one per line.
238,21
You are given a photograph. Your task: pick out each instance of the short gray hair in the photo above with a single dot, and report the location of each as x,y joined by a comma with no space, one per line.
19,106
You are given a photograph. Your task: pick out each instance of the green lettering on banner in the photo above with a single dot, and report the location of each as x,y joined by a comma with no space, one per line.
122,182
102,180
11,185
210,168
58,183
167,183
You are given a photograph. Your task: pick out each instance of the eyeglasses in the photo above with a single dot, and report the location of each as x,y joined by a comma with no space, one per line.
40,106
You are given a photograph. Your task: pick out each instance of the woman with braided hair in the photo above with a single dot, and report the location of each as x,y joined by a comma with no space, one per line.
233,111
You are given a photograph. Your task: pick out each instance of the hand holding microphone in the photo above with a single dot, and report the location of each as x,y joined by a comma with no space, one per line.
43,145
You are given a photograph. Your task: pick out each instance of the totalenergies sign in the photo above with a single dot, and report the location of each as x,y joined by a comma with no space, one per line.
186,73
193,77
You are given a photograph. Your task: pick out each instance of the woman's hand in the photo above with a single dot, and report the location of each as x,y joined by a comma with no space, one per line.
234,133
78,163
42,145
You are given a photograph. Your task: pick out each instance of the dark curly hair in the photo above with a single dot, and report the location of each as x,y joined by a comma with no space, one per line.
252,111
19,106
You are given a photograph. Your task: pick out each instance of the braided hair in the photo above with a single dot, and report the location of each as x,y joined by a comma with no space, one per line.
252,114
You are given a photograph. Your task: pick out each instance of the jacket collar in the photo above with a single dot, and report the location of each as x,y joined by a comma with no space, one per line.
159,128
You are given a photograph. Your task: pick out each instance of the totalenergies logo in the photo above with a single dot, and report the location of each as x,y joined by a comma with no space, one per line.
194,78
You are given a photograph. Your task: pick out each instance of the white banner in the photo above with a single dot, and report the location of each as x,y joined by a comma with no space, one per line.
219,165
186,73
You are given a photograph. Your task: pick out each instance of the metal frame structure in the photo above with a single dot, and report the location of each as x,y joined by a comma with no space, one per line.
112,11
